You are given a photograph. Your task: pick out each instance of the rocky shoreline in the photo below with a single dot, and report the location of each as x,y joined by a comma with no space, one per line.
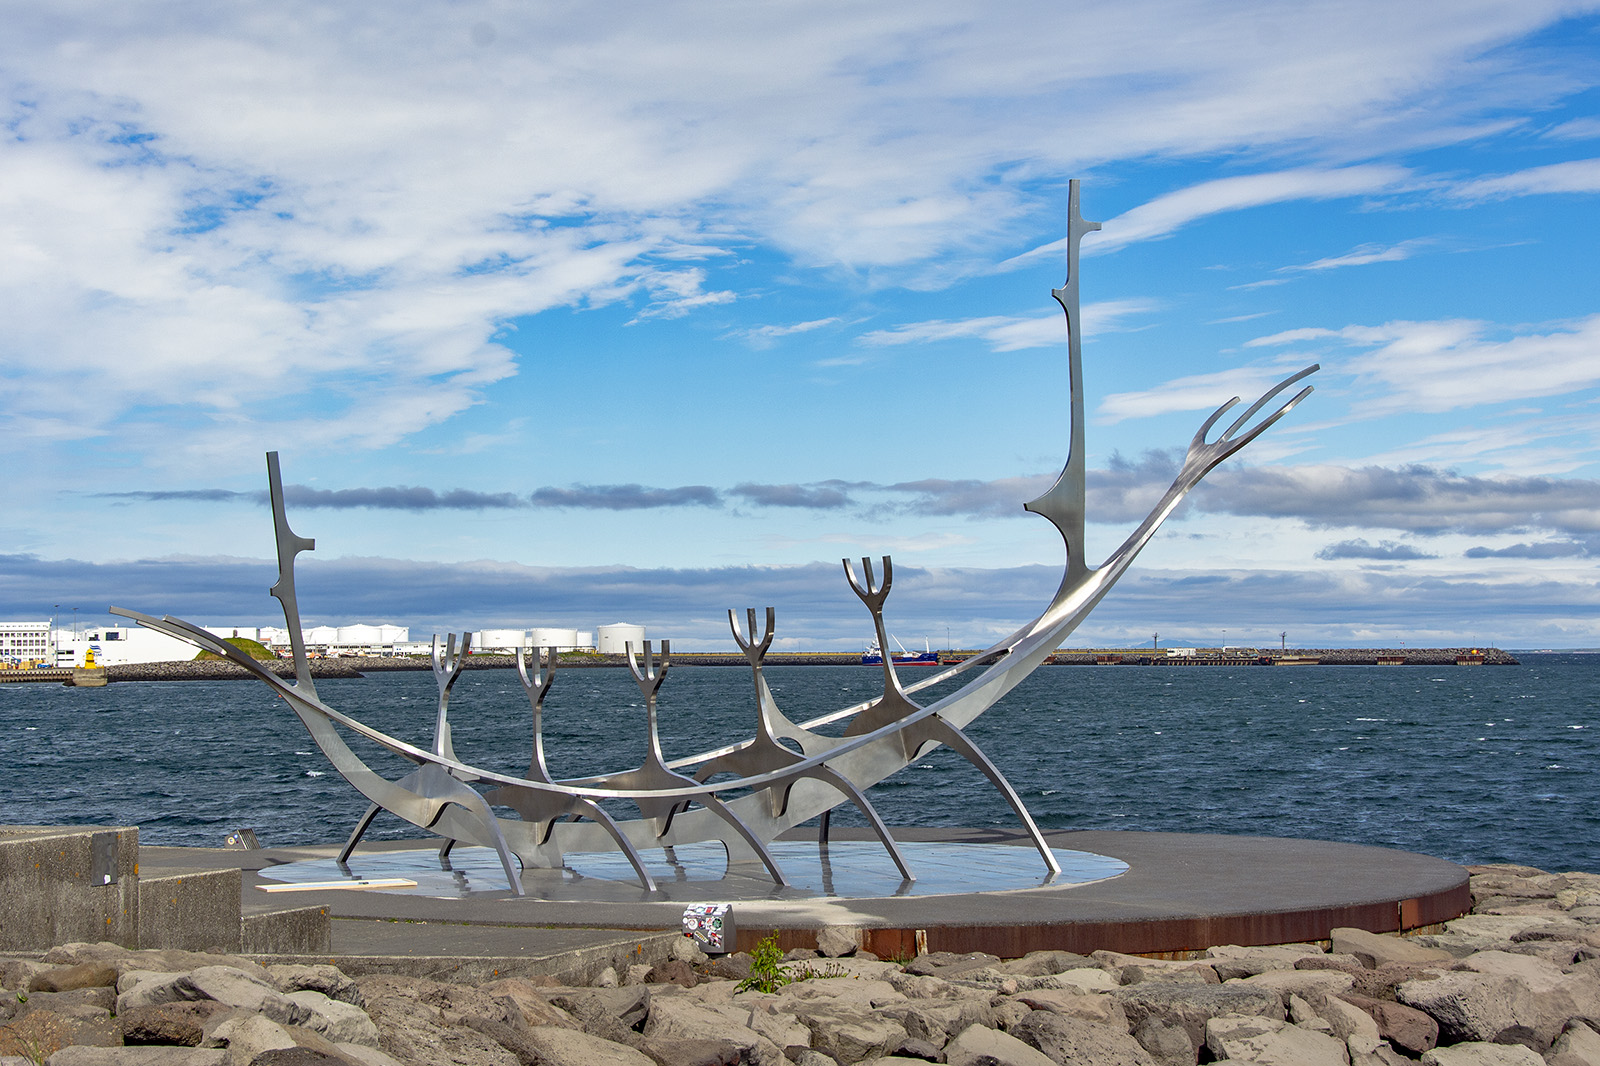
1515,983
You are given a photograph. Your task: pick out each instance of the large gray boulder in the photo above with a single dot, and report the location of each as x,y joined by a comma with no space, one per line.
1191,1006
1579,1045
937,1020
835,941
1040,963
175,1024
682,1018
948,964
1479,1054
1375,949
1168,1043
1488,1008
531,1000
1357,1028
1105,1010
246,1035
1272,1043
229,985
340,1022
1407,1028
692,1052
1075,1042
1310,985
67,978
979,1045
848,1032
1134,969
559,1046
329,980
422,1021
779,1026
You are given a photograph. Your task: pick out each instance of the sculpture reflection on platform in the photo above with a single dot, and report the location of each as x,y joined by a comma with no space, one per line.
786,773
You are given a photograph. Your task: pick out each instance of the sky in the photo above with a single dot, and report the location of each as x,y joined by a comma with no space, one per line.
561,314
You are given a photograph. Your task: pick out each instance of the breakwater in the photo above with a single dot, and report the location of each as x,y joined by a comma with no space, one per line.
360,666
1289,657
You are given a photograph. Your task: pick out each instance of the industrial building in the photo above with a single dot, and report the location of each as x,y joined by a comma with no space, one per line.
22,643
37,643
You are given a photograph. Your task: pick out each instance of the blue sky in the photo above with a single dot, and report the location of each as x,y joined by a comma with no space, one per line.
560,315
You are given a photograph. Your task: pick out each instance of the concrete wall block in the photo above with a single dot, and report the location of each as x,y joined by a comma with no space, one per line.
68,883
192,911
299,931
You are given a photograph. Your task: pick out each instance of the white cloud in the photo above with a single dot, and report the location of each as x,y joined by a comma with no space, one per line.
316,221
1456,363
1005,333
1166,214
1573,176
764,336
1366,254
1578,129
1196,392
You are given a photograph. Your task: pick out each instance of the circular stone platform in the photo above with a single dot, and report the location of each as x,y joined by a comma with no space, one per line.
1179,892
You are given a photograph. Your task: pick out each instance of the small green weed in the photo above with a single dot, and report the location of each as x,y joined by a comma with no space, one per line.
768,973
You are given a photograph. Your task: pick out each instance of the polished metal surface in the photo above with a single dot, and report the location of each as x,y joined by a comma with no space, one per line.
743,795
851,869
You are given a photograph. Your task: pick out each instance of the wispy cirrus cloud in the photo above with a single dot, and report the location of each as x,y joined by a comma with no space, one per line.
1572,176
1455,363
766,336
1578,129
1005,333
1167,214
1195,392
1366,254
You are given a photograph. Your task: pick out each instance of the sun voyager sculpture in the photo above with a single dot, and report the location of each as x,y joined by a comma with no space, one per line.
786,773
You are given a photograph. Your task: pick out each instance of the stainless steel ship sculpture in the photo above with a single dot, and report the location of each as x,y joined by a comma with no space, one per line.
786,773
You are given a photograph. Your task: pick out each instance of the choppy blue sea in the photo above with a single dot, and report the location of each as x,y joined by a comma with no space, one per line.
1474,764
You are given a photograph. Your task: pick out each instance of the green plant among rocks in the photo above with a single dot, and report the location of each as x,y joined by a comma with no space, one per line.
768,973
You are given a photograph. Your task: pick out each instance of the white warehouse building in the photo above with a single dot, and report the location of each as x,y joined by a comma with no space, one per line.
118,646
26,642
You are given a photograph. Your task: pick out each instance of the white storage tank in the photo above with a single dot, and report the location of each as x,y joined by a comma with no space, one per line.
504,640
321,635
550,637
615,637
359,635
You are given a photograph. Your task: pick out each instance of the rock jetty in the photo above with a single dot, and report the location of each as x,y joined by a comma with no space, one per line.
1515,983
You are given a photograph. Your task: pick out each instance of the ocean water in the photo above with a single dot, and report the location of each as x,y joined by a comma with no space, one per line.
1473,764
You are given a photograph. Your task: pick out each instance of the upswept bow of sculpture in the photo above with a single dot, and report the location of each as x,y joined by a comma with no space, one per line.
772,786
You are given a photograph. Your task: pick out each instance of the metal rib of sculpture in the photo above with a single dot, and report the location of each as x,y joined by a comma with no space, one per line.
774,787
